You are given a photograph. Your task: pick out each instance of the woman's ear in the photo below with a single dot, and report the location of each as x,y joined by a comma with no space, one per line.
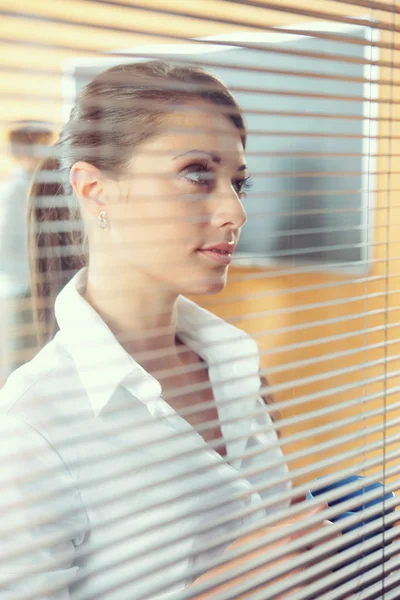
88,185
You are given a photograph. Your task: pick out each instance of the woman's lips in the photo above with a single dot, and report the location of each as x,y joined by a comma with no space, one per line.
222,257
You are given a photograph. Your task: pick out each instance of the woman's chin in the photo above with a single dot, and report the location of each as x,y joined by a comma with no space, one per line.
208,286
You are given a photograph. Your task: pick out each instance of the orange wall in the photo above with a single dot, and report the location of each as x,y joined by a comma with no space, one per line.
31,88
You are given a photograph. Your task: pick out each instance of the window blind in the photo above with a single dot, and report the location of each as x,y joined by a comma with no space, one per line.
314,281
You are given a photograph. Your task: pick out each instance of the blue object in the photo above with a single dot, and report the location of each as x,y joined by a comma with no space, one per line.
381,499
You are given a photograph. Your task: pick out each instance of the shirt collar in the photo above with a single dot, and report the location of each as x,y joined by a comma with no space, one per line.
102,362
214,340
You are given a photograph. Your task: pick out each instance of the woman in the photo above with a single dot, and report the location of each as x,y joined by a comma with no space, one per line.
136,446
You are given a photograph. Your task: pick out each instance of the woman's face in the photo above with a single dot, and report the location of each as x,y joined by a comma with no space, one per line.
176,216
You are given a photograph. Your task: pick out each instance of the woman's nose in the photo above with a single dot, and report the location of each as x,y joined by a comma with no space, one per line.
229,210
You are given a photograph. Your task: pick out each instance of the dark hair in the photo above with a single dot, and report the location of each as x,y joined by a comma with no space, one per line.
55,230
120,108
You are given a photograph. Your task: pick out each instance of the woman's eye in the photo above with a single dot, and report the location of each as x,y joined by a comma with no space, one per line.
198,175
238,185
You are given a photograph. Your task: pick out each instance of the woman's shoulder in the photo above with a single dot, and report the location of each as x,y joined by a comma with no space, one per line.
38,388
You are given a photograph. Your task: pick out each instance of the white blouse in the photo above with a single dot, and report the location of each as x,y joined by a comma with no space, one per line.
106,492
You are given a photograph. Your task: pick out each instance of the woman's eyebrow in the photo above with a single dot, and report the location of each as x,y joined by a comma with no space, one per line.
216,158
213,155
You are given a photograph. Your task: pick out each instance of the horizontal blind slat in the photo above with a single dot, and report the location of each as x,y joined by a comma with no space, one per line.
320,15
373,6
252,68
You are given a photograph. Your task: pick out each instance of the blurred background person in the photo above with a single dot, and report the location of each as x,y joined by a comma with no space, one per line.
28,142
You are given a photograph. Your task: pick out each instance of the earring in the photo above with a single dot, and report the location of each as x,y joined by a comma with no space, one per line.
102,219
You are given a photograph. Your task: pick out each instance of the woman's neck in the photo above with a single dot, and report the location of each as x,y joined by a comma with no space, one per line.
141,314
